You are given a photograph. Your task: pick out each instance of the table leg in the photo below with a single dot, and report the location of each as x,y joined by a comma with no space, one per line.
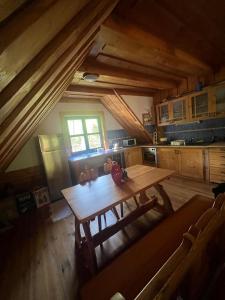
91,250
167,206
77,232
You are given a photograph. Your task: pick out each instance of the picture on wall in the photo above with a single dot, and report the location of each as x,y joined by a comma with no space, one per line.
41,197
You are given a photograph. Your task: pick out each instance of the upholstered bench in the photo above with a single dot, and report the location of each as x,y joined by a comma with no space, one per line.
131,271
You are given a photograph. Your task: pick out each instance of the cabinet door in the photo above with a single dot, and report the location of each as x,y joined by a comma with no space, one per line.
179,110
200,105
133,157
192,163
168,158
220,100
163,113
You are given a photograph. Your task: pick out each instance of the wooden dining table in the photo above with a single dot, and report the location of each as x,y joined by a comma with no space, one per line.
96,197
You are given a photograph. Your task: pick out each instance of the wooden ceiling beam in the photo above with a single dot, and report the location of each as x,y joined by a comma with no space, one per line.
92,90
117,31
126,117
113,85
141,68
93,66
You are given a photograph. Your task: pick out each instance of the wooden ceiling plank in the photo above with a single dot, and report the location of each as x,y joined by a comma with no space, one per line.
72,34
198,22
14,58
164,24
130,29
21,20
142,55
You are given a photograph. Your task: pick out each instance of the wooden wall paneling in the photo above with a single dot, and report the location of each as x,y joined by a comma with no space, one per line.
34,116
36,36
23,180
72,34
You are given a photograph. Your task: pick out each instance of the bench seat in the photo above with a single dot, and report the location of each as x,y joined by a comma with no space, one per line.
131,271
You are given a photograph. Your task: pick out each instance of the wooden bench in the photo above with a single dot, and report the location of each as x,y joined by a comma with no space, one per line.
132,270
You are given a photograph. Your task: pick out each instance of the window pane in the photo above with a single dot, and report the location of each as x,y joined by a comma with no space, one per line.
92,125
94,141
78,143
75,127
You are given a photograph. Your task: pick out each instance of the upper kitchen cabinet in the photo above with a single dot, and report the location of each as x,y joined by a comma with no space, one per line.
179,110
163,116
218,100
172,111
199,104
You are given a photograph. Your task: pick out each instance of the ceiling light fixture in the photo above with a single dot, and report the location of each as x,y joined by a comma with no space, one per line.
91,77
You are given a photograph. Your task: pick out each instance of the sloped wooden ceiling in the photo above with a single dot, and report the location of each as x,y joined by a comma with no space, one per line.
150,46
42,44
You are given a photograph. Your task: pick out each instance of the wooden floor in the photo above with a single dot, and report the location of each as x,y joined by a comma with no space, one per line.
37,257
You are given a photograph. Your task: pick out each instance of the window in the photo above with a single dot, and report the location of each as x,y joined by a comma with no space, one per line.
85,133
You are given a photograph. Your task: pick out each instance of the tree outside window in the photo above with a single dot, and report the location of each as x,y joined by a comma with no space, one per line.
85,133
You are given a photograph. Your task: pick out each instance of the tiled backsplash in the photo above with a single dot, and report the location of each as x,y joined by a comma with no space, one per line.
115,136
203,130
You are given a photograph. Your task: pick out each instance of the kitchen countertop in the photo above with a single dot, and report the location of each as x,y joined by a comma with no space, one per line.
212,145
83,156
106,152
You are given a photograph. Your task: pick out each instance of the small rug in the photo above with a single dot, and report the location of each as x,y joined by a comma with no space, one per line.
59,210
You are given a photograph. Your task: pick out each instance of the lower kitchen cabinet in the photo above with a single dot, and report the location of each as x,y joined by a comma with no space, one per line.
167,159
191,163
217,165
133,156
185,162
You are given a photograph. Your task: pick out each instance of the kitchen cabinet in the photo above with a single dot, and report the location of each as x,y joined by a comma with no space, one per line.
163,113
217,165
173,111
187,162
167,159
218,100
191,163
179,109
133,156
199,105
